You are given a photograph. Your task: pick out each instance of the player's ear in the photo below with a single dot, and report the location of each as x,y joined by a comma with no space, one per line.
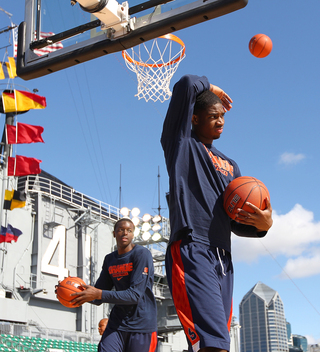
194,119
114,234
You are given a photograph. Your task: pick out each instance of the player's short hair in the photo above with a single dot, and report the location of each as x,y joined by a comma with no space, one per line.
120,220
204,100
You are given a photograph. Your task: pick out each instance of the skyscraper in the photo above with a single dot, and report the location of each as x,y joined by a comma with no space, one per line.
289,334
262,321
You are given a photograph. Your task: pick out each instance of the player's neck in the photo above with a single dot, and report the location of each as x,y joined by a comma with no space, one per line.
203,139
124,250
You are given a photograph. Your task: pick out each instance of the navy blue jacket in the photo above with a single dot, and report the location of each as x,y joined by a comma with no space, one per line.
198,174
131,274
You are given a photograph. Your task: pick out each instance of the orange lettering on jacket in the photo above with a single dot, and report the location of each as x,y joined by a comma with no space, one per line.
220,165
120,270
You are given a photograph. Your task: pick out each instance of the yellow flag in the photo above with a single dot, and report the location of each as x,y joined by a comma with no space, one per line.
8,69
12,70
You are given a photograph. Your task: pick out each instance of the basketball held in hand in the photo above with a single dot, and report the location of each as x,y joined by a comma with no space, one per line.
241,190
66,287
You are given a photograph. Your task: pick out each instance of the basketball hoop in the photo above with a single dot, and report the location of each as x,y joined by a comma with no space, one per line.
154,64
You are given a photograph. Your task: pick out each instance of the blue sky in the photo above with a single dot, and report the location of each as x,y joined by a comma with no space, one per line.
93,123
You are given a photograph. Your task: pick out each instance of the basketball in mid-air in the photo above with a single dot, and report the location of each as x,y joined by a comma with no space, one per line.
241,190
260,45
66,287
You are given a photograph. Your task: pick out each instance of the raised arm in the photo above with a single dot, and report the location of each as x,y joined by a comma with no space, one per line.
178,119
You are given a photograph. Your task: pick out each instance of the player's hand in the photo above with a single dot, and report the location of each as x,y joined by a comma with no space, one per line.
89,294
56,286
224,97
261,219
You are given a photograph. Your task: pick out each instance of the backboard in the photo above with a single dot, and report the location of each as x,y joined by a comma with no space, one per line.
63,33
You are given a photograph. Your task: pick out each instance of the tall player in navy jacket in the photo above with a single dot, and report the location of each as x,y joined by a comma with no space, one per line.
198,259
132,325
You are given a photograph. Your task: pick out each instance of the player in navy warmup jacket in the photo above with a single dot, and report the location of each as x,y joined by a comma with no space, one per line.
132,324
198,259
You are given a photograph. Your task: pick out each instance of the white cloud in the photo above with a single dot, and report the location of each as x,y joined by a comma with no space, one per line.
294,235
312,340
291,158
303,266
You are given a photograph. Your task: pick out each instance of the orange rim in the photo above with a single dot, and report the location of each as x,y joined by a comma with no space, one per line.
169,36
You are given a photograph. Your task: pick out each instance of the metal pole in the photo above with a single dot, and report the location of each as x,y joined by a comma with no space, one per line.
7,152
38,19
120,190
159,206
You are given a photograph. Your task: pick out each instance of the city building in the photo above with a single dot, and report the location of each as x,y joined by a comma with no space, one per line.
295,349
262,321
300,342
289,334
234,335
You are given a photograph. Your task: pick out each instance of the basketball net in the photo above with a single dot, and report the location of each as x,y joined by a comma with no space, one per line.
155,63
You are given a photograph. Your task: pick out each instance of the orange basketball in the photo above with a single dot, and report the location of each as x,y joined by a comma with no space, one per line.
66,287
241,190
260,45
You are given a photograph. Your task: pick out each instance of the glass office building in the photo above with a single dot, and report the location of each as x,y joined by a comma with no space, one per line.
289,335
300,342
262,321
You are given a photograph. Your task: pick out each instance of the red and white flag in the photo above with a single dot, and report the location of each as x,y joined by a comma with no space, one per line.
47,49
